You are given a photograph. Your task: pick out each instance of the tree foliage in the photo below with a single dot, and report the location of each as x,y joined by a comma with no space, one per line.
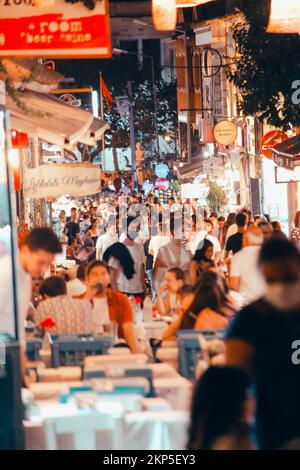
266,66
116,73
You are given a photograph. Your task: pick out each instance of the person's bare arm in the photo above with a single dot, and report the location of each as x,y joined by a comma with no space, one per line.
217,257
98,253
239,353
143,276
234,283
162,304
193,274
130,337
169,333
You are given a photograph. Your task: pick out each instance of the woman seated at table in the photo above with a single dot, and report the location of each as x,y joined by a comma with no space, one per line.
70,316
202,261
167,302
207,311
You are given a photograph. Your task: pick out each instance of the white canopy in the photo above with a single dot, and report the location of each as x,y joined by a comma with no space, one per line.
54,121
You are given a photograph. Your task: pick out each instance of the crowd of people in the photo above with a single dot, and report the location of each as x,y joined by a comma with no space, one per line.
202,272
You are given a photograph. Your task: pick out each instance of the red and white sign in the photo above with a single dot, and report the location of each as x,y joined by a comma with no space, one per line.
162,184
64,30
270,140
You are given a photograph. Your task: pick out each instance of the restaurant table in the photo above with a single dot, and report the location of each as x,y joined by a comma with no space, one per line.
163,429
71,374
166,430
176,390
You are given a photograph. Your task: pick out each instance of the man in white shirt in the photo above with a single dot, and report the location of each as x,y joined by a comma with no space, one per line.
107,239
36,254
245,276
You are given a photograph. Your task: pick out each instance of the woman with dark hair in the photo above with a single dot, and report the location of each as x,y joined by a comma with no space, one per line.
209,309
127,261
93,231
203,260
221,411
120,252
230,227
205,312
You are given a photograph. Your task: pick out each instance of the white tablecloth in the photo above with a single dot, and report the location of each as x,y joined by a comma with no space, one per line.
143,430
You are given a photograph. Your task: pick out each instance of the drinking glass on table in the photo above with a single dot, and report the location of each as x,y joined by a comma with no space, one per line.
111,329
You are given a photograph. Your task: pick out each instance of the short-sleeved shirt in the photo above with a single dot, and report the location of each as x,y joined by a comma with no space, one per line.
72,316
135,284
272,332
244,265
235,243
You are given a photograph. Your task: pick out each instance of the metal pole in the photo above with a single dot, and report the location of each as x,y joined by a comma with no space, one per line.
188,104
102,117
155,104
132,138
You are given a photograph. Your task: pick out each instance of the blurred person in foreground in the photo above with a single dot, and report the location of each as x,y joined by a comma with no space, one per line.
264,340
36,255
109,306
222,410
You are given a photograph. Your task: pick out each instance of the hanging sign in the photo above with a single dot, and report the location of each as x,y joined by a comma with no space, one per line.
161,170
194,191
59,29
59,180
270,140
162,184
225,132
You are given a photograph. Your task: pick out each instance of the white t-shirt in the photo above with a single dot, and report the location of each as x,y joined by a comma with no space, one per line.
104,242
244,265
156,243
100,314
195,242
134,285
7,322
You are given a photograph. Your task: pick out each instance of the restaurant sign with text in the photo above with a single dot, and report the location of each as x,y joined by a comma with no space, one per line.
74,179
64,30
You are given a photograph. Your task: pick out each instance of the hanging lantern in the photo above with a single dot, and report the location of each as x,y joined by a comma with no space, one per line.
284,17
14,162
164,14
18,139
190,3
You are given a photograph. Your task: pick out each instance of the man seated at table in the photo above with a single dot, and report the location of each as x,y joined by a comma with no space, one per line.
71,316
167,301
109,306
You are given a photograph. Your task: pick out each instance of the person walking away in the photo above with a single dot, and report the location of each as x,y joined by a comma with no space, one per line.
245,276
264,341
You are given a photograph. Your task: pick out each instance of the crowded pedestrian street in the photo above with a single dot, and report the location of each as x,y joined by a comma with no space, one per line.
149,228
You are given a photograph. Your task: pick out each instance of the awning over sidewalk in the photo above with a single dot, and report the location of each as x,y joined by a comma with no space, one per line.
287,154
191,169
54,121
